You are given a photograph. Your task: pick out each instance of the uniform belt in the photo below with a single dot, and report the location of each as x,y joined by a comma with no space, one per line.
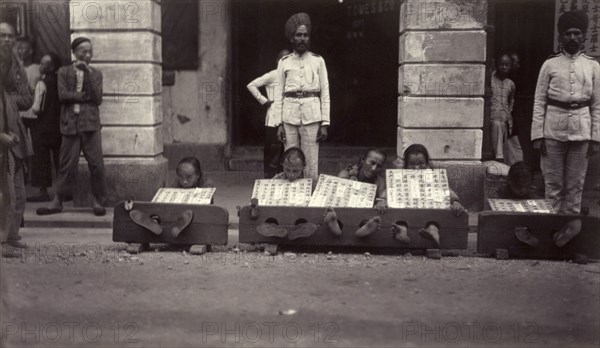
569,105
301,94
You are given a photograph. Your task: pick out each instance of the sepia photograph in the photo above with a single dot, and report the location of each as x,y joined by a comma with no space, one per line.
300,173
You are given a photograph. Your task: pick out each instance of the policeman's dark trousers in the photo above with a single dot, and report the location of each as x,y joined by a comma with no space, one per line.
46,148
564,167
13,196
91,145
273,152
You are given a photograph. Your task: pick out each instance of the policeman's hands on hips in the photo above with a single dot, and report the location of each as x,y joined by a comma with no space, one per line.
9,139
593,148
322,134
281,133
540,145
267,104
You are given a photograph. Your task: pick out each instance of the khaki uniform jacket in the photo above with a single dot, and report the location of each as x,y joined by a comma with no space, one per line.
89,99
306,73
567,78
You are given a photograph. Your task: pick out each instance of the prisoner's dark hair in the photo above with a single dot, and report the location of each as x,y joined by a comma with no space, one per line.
519,174
194,162
374,150
416,149
294,152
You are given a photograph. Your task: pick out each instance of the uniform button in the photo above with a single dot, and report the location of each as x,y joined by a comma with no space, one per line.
301,66
572,82
572,93
572,71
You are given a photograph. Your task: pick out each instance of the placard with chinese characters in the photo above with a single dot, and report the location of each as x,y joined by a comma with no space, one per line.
522,206
184,196
275,192
336,192
422,188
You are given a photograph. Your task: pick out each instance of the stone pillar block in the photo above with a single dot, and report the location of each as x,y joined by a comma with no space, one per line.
442,14
441,80
123,46
442,46
115,14
449,112
443,144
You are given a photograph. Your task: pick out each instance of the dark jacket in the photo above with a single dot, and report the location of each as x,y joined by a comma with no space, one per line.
49,116
89,99
16,96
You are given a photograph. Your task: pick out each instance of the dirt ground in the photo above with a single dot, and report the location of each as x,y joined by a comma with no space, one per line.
93,293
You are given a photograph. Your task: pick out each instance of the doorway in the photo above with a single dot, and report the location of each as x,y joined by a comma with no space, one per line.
358,40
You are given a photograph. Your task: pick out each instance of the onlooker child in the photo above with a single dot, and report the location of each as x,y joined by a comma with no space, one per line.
502,100
46,135
189,176
416,156
273,148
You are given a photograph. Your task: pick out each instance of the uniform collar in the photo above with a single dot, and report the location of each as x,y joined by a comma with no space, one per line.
296,55
573,56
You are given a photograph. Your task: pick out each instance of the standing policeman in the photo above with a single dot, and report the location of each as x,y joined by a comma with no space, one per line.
566,118
301,106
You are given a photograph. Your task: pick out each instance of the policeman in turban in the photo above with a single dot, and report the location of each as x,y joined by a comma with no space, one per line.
301,106
566,120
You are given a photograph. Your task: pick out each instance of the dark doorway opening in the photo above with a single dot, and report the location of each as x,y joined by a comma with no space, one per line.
358,40
527,28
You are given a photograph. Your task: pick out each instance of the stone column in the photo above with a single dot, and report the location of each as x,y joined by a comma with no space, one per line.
441,81
127,49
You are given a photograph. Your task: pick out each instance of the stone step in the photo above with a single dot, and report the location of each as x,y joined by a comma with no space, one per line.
331,159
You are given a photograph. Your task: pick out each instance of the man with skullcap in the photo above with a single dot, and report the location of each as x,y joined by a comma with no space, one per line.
15,147
566,120
301,106
80,93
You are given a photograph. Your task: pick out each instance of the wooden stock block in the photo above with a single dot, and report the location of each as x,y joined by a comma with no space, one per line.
453,230
496,231
208,227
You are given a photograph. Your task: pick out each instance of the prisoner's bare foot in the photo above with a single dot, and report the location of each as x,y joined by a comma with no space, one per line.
567,233
524,235
400,233
142,219
302,230
269,229
183,221
332,222
431,232
372,226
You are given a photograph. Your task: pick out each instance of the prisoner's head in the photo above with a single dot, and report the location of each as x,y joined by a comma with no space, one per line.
371,164
294,163
189,172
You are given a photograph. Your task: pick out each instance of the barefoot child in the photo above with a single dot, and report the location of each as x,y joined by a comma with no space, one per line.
369,169
189,176
416,156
